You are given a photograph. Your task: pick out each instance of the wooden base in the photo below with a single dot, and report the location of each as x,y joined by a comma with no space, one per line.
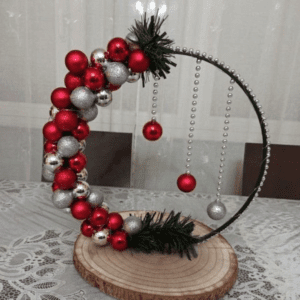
136,276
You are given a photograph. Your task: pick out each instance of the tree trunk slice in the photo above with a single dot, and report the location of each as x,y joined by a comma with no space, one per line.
140,276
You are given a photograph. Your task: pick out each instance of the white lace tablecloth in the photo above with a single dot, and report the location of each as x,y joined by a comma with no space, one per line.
37,240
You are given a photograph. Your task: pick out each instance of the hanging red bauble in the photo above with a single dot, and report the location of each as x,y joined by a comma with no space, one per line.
118,50
77,162
60,98
72,81
152,131
82,130
51,132
98,217
54,187
50,147
186,183
114,221
118,240
76,62
65,178
93,78
138,61
86,228
81,209
112,87
66,120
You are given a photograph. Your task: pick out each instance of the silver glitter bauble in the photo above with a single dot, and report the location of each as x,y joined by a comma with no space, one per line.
100,237
52,112
216,210
133,77
98,58
62,198
82,97
105,206
82,175
95,198
116,73
89,114
132,41
67,146
82,189
52,161
47,175
104,98
82,145
132,225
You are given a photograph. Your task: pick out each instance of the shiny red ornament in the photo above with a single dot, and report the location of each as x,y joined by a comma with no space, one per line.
93,78
50,147
118,240
51,132
82,130
76,62
114,221
186,183
81,209
77,162
118,50
54,187
98,217
66,120
73,81
152,131
87,229
60,98
112,87
65,178
138,61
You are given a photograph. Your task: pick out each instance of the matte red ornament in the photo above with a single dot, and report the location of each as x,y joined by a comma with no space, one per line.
77,162
112,87
60,98
82,130
66,120
118,240
73,81
81,209
76,62
93,78
87,229
54,187
50,147
65,178
51,131
186,183
152,131
138,61
98,217
118,50
114,221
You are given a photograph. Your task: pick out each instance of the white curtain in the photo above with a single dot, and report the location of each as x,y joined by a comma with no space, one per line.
259,39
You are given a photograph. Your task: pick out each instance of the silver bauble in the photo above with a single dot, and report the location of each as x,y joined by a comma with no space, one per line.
98,57
132,225
100,237
67,146
216,210
89,114
52,161
116,73
82,175
47,175
67,210
105,206
82,97
104,98
82,189
132,41
95,198
62,198
52,112
82,145
133,77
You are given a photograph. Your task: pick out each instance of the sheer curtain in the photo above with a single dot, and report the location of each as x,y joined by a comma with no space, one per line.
259,39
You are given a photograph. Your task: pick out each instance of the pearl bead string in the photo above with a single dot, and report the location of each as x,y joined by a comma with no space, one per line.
154,98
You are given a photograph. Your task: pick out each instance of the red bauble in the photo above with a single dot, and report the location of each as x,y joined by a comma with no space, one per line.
98,216
77,162
87,229
72,81
114,221
186,183
138,61
118,50
50,147
66,120
81,209
76,62
152,131
118,240
94,79
82,130
112,87
54,187
60,98
51,132
65,178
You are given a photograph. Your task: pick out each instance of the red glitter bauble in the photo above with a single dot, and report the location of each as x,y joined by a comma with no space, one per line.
138,61
82,130
98,216
118,240
152,131
186,183
118,50
86,228
60,98
81,209
112,87
93,78
77,162
51,132
72,81
114,221
76,62
50,147
65,178
66,120
54,187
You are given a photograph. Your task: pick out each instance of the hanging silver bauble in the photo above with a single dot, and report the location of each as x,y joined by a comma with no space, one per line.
133,77
67,146
82,189
100,237
47,175
62,198
89,114
104,98
82,175
95,198
132,41
116,73
82,97
216,210
98,58
82,145
132,225
105,206
52,161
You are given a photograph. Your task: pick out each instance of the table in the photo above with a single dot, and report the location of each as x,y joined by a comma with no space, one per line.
37,240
